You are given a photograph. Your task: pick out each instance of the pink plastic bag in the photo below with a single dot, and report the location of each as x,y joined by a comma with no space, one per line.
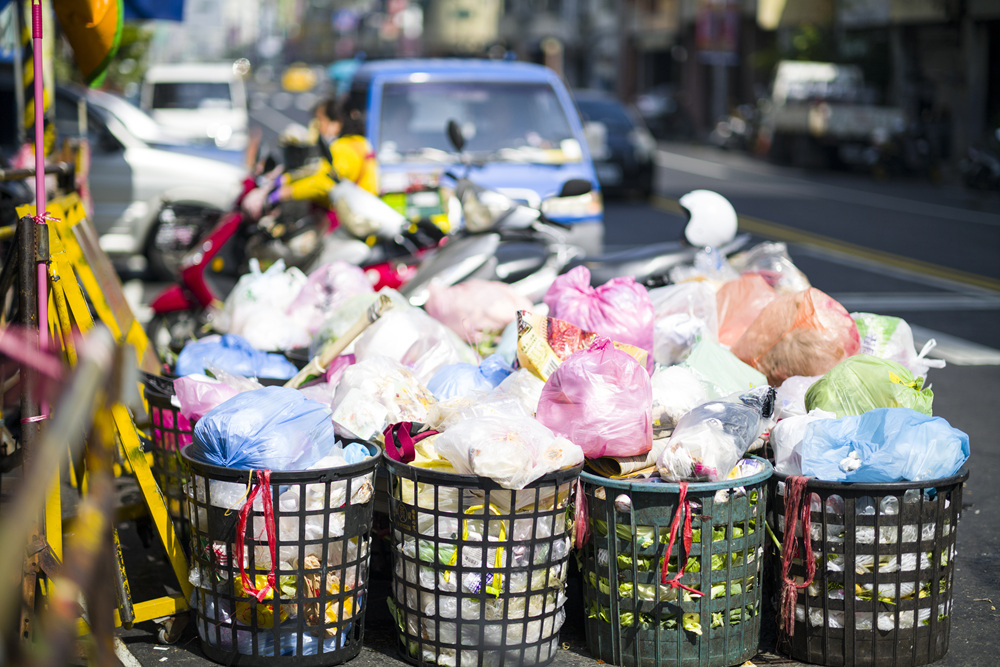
601,400
739,302
475,307
197,394
619,309
805,333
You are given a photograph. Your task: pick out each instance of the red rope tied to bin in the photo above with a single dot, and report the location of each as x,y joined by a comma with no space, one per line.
796,510
683,511
263,484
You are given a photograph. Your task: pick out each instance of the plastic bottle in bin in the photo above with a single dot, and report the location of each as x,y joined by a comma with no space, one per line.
710,439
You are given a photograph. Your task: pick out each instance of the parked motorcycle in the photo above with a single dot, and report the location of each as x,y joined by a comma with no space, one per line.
211,268
513,242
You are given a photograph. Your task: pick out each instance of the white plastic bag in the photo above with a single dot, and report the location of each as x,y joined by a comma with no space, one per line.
255,309
786,437
326,289
790,398
891,338
513,451
377,386
414,339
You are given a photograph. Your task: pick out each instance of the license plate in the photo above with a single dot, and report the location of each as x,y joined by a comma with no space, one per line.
608,174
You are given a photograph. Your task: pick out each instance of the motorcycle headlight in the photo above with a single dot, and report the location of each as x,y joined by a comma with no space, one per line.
587,205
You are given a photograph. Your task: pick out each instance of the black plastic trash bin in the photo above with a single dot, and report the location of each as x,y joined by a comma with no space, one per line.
171,431
316,532
881,594
479,571
632,617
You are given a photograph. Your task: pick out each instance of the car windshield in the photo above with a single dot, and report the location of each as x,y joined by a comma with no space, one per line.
192,95
517,122
609,112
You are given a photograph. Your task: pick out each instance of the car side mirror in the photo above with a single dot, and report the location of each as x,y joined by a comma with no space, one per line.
575,187
455,135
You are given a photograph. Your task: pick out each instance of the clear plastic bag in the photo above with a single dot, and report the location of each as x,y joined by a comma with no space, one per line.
513,451
710,439
379,391
619,309
883,445
601,399
676,391
685,314
786,440
771,260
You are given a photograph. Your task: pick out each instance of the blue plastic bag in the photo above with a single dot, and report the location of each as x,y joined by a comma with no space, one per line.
883,445
276,428
235,355
455,380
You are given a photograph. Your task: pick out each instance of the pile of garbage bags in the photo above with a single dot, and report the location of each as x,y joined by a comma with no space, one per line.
677,382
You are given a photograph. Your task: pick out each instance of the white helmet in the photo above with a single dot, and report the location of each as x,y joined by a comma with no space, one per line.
712,220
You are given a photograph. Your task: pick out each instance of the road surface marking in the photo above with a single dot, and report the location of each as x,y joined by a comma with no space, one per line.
725,172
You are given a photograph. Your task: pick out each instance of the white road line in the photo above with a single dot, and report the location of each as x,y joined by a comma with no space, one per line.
955,350
725,172
915,302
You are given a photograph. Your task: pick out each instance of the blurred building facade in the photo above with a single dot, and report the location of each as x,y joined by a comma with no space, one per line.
939,60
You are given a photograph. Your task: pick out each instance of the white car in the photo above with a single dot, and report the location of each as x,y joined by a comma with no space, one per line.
204,102
135,165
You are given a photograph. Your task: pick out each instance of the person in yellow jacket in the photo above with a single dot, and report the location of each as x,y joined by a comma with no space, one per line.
351,157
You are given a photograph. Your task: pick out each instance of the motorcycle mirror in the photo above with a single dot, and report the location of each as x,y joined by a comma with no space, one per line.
455,135
712,220
575,187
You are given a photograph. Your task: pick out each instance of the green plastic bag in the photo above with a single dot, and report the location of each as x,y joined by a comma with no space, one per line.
863,382
720,372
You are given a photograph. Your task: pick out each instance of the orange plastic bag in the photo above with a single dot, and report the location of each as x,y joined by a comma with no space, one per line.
805,333
739,302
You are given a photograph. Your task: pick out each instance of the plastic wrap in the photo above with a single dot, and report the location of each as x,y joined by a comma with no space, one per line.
274,428
863,382
619,309
600,398
710,439
883,445
806,333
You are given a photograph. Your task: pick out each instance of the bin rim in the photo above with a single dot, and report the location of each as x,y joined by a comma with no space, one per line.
675,487
241,475
813,483
425,475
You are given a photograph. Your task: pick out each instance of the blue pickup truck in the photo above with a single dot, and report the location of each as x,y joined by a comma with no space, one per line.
522,132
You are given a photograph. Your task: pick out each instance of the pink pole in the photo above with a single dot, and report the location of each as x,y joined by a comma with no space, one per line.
43,282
